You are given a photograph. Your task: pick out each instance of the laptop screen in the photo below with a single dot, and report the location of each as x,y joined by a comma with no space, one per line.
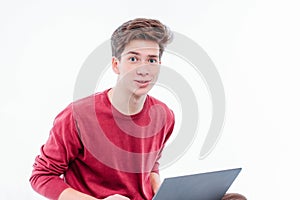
203,186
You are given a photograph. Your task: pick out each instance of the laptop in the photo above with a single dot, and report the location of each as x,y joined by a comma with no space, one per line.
203,186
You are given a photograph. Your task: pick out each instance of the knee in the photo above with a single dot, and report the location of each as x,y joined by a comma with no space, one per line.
233,196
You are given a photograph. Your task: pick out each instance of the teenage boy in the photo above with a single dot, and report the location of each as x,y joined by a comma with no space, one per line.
107,145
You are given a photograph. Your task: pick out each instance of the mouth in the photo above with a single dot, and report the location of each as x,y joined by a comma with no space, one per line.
143,83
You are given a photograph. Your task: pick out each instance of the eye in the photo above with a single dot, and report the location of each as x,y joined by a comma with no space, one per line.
133,59
152,60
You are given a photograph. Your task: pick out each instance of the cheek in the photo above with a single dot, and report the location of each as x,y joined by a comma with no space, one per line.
127,73
155,70
126,68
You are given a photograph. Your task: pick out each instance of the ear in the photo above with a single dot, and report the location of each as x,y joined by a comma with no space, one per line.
115,65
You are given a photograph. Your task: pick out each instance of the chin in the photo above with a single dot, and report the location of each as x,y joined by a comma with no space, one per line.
141,91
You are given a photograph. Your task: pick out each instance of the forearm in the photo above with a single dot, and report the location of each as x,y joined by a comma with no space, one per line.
46,185
71,194
155,181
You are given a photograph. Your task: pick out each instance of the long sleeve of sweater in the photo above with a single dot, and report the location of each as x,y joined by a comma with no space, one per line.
62,146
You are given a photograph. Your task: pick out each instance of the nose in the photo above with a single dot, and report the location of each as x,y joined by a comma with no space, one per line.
142,71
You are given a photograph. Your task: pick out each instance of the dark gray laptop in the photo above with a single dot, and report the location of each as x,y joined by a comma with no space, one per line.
204,186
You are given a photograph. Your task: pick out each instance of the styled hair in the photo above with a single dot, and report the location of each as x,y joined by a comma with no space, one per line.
140,29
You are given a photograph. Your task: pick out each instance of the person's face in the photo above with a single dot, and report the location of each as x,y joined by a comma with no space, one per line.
138,67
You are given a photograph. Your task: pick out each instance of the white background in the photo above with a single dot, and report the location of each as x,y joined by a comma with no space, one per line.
254,45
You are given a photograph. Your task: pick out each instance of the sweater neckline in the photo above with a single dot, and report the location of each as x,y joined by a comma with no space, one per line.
117,113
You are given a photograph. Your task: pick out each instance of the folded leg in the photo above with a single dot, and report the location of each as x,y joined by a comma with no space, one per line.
233,196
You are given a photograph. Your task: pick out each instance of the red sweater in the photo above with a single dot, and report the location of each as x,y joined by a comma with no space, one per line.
96,150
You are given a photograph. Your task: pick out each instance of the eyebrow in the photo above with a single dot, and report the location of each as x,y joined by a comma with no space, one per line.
136,53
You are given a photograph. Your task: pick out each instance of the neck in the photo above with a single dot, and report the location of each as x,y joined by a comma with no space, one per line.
126,103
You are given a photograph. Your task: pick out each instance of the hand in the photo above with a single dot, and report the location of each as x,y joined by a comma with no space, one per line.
116,197
155,181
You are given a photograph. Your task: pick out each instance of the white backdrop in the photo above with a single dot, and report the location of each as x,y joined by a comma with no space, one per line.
254,45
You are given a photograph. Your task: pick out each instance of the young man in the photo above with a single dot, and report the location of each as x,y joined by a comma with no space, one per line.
107,146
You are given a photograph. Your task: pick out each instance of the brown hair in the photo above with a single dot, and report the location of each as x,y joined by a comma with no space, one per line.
140,29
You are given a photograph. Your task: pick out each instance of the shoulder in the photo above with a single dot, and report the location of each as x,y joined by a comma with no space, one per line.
91,99
89,103
80,106
154,101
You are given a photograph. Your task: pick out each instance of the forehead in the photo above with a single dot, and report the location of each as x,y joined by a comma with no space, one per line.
144,47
